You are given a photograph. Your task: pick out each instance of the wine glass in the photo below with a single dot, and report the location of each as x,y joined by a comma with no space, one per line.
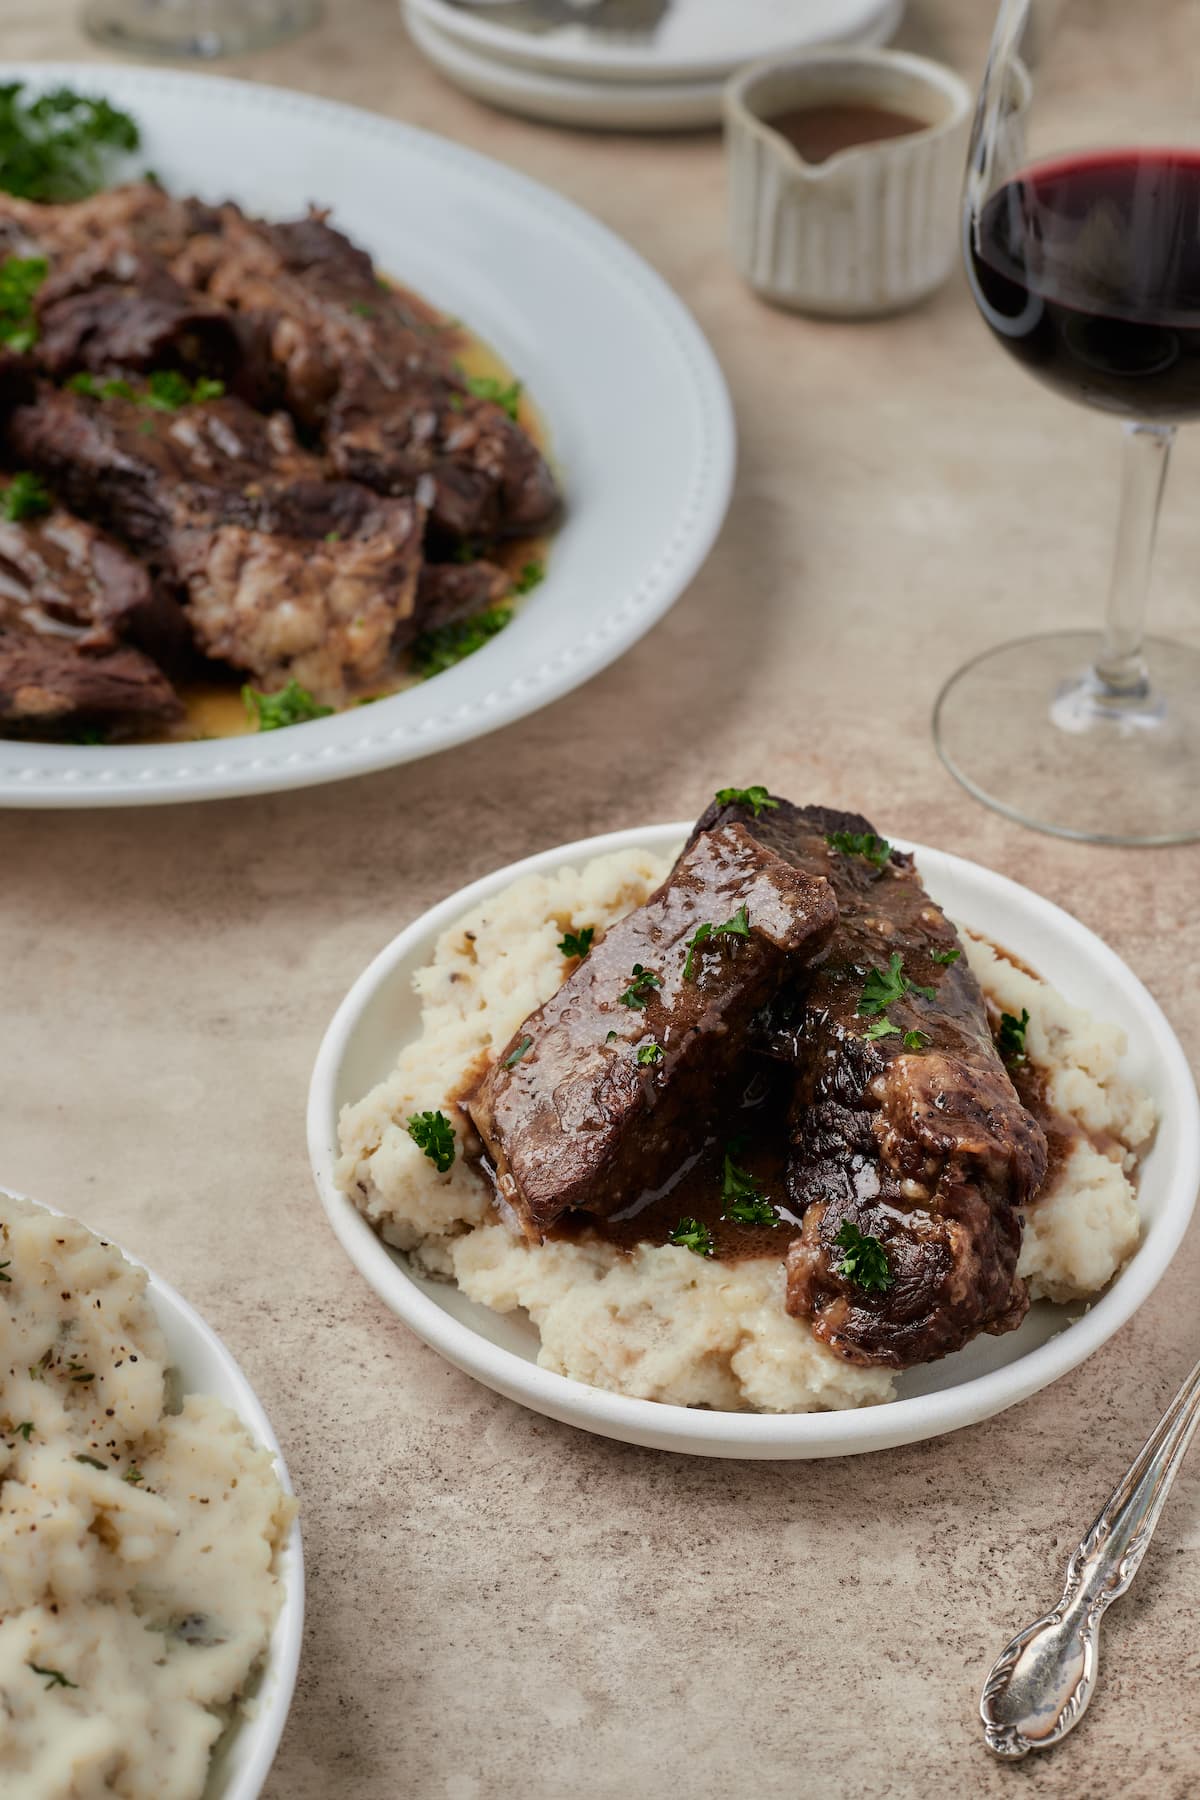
1084,260
200,28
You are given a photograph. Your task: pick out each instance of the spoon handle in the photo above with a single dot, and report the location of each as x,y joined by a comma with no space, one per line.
1040,1685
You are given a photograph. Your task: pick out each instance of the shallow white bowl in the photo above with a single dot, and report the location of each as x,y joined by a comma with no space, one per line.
244,1757
381,1012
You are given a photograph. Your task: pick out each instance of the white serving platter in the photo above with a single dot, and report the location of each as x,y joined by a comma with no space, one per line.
381,1012
639,419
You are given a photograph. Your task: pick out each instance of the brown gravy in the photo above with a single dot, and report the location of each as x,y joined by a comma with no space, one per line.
819,132
752,1128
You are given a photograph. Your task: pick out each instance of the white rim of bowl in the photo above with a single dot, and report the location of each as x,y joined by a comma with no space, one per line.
613,1415
265,1727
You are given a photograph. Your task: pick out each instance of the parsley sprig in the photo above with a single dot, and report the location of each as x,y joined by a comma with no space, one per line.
433,1133
292,705
577,943
440,649
60,145
690,1234
166,390
741,1200
20,279
945,957
649,1054
874,849
641,986
25,497
884,987
738,926
1010,1039
865,1261
758,799
505,394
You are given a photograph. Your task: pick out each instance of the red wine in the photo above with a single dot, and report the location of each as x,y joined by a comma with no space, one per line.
1088,270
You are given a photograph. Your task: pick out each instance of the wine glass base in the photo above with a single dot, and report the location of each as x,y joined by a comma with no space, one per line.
1030,731
202,29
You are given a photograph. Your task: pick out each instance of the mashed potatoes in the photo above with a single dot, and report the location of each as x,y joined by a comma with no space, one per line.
138,1586
662,1323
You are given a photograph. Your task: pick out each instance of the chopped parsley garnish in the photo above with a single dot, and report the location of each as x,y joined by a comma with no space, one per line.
85,1376
1010,1039
756,798
54,1677
433,1133
133,1475
528,576
25,497
741,1200
690,1234
650,1053
876,850
641,986
611,1038
20,279
881,1028
755,1211
292,705
883,987
362,310
92,1463
25,1429
577,943
3,1266
60,145
865,1262
738,926
516,1053
116,389
167,390
436,651
916,1040
506,394
945,957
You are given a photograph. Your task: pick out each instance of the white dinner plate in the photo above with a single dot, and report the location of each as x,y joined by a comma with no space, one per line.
244,1757
381,1012
574,100
682,40
640,424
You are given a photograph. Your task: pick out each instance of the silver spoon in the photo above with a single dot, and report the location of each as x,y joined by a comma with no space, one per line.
1040,1685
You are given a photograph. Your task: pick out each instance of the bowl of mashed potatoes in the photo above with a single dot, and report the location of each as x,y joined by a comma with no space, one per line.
151,1575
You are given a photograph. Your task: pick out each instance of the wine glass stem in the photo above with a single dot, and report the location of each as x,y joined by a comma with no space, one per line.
1120,666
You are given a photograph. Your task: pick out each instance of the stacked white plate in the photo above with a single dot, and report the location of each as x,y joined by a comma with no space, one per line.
626,65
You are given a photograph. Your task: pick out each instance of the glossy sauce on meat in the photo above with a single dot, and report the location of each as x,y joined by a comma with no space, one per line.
752,1128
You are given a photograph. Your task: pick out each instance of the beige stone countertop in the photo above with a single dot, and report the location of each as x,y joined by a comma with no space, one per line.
498,1605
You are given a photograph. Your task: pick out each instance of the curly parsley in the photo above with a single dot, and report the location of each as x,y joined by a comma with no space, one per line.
60,145
690,1234
756,798
865,1262
292,705
433,1133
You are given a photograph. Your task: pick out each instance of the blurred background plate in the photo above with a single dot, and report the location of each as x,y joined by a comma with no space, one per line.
637,413
654,40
